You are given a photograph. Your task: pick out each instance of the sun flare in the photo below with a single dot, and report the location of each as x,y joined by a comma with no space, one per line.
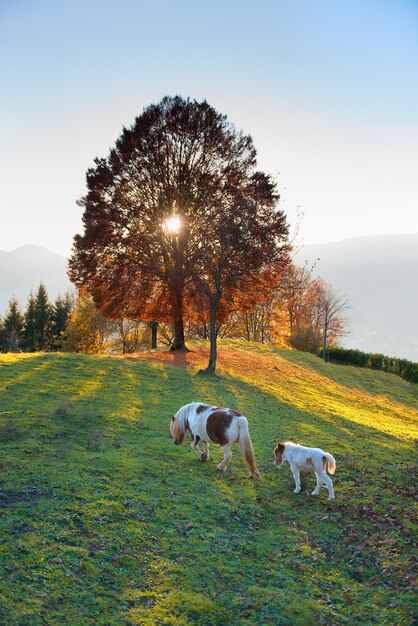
172,224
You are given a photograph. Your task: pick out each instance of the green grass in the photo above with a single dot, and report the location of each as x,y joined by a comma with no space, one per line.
103,521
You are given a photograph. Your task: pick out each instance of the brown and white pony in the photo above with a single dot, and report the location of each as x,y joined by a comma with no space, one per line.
213,424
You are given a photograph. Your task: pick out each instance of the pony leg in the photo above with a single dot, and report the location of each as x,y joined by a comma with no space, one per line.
320,479
226,459
296,477
205,453
330,487
195,447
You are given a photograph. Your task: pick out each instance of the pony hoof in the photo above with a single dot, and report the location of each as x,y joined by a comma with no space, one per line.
331,498
220,468
203,457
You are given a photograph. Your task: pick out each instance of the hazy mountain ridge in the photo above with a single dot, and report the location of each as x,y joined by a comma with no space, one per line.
22,270
378,274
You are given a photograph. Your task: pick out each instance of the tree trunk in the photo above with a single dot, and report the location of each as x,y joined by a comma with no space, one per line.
178,342
325,340
213,336
154,328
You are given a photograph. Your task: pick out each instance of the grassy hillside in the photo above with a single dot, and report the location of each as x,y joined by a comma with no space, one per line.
105,522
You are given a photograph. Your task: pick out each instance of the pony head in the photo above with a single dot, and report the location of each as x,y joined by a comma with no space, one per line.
278,454
177,429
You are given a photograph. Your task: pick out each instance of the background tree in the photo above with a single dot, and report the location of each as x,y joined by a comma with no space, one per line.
128,335
331,308
12,327
59,321
260,322
87,331
90,332
179,153
42,320
293,288
29,327
314,309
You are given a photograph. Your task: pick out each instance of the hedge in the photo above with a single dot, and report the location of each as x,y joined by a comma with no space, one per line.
408,370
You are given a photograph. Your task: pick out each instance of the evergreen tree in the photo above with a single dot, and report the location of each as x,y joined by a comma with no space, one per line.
43,320
60,314
28,340
12,328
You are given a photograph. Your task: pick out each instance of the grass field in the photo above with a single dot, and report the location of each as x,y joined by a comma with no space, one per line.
105,522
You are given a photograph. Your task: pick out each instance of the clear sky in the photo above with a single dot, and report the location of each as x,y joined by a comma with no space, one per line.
327,89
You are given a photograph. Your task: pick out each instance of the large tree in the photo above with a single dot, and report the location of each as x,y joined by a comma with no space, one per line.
181,157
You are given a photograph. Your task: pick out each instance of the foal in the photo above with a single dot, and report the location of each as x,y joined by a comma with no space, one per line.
211,424
302,457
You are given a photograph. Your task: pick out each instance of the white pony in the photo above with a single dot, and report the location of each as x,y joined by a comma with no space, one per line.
213,424
302,457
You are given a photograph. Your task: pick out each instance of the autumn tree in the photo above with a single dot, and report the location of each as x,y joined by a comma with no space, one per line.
314,309
128,335
331,307
181,163
293,288
260,322
88,331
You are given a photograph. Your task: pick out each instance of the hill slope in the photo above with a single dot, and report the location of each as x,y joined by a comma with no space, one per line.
108,522
379,275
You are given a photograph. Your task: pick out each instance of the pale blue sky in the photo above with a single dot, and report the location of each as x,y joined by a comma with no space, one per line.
327,89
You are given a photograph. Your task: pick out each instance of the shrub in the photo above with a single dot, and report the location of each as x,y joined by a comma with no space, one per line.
408,370
376,361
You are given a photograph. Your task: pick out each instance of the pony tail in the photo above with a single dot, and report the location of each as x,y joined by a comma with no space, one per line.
332,465
247,449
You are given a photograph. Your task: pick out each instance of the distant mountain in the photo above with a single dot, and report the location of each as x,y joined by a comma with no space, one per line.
380,277
23,269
